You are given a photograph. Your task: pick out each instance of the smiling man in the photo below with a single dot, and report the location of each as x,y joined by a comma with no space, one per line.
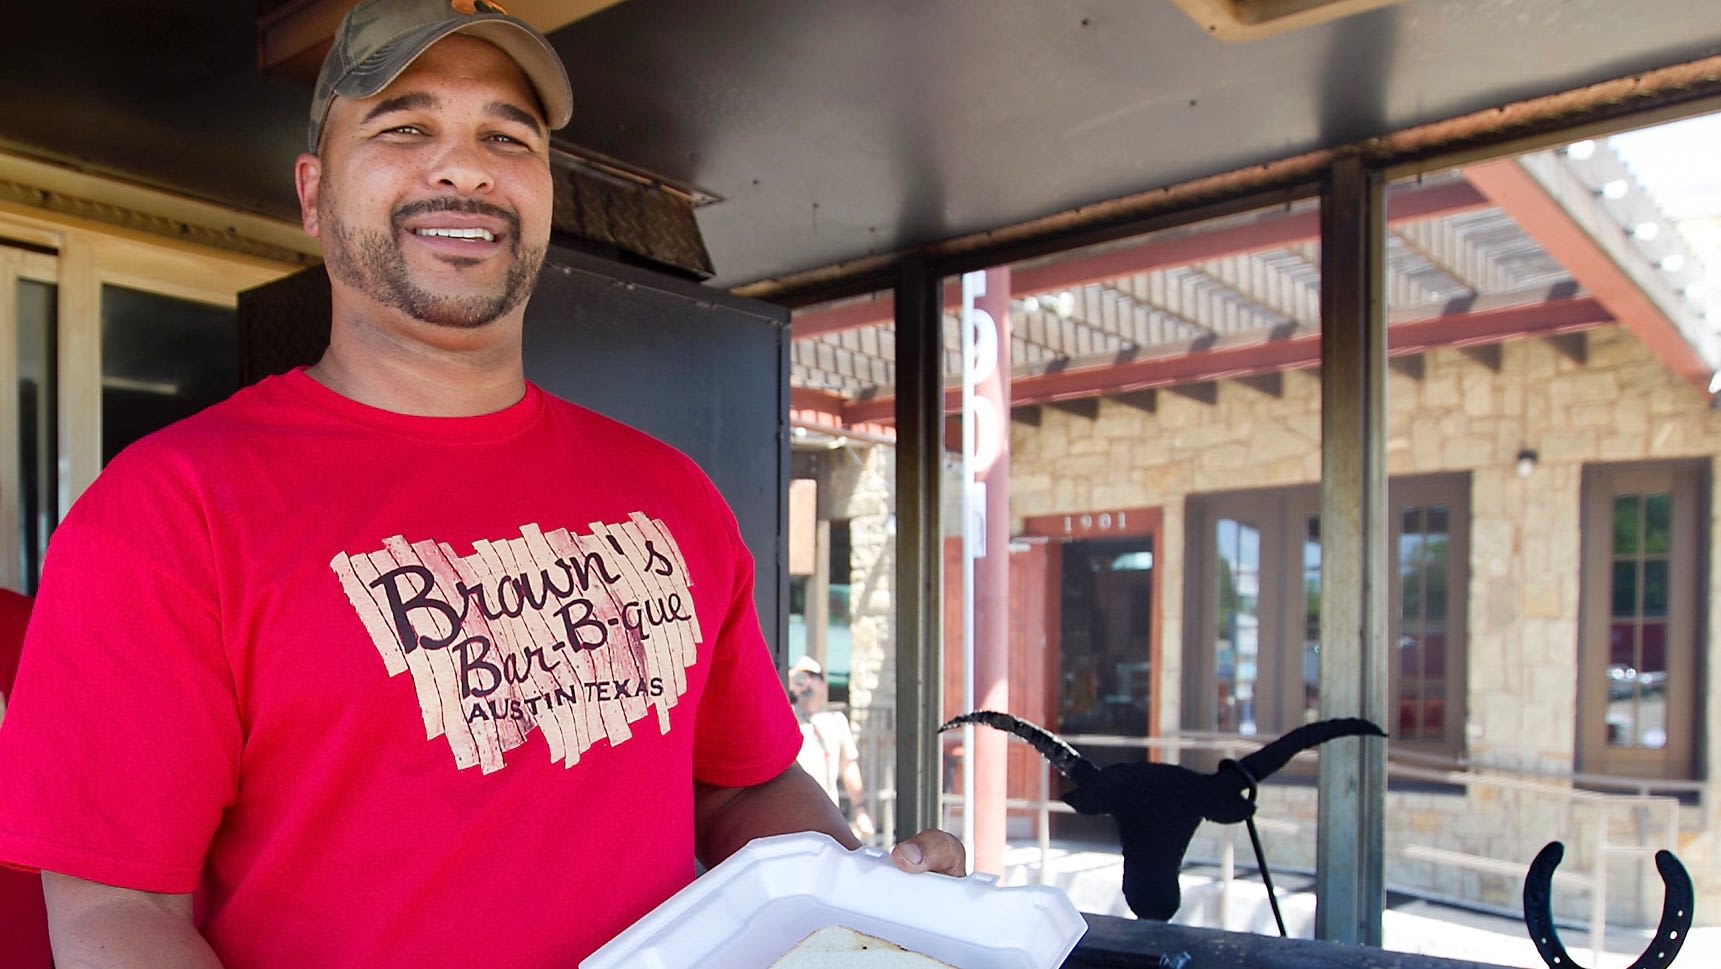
364,666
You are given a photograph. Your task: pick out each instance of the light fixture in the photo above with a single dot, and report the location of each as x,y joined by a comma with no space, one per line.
1031,304
1615,189
1066,304
1670,263
1581,150
1527,459
1647,231
1247,20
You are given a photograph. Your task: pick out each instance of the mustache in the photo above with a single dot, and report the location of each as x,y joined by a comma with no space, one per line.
408,210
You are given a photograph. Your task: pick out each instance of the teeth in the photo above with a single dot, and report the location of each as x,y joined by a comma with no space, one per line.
482,234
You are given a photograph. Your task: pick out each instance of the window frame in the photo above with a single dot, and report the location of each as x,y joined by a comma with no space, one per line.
1686,647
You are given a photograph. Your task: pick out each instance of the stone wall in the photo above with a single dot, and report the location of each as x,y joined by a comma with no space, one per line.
1459,414
857,483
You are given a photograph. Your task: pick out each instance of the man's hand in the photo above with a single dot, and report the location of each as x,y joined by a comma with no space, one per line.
932,850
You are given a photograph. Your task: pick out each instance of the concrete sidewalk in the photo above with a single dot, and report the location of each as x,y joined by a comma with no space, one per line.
1092,878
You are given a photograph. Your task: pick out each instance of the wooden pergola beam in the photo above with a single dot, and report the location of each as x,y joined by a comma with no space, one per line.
1551,316
1510,186
1278,230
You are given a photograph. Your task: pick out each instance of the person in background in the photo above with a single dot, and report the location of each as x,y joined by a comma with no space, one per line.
828,749
397,660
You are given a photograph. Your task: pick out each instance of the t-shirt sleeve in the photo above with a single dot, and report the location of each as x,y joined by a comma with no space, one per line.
119,751
747,732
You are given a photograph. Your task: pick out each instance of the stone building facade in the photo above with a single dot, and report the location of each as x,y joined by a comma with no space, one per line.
1456,411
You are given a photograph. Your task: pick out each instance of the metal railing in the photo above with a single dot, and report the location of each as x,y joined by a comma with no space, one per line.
1587,818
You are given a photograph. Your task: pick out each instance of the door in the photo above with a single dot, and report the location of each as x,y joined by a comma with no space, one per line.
1644,531
1253,653
1253,664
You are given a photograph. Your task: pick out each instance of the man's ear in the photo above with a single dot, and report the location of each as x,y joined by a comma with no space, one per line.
307,179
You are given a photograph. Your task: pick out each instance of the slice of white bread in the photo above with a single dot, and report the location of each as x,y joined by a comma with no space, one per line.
840,947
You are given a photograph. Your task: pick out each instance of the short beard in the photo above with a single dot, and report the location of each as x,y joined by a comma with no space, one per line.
372,263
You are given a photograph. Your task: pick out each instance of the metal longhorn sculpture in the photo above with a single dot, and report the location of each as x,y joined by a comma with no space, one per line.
1158,807
1676,914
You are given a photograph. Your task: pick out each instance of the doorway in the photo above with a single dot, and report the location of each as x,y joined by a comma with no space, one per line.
1104,622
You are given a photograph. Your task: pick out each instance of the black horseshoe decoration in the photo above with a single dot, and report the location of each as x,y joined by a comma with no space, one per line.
1669,935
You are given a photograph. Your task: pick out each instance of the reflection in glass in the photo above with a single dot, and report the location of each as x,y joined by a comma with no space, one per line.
38,423
1657,522
1422,563
1637,636
1652,654
1237,651
163,359
1311,618
1625,588
1655,587
1626,511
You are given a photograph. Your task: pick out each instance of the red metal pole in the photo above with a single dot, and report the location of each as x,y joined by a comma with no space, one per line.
990,470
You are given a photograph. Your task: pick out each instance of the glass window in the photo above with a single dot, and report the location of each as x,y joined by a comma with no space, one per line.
38,426
1422,574
163,359
1642,578
1237,645
1637,635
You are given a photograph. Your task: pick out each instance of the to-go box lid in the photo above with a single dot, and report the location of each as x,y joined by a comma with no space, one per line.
757,904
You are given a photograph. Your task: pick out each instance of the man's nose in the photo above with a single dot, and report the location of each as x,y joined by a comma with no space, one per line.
462,165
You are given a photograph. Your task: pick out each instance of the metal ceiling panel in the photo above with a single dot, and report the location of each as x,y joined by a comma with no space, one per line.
853,127
845,128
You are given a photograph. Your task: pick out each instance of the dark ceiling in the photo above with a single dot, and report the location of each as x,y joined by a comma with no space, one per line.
835,129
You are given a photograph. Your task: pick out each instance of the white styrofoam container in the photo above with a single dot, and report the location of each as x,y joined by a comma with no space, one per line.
756,904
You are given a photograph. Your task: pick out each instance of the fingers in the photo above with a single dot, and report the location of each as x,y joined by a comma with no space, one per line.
863,825
932,850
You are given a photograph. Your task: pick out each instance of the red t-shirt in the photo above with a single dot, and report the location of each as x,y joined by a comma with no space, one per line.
23,918
387,690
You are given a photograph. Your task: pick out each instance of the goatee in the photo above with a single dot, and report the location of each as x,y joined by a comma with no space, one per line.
374,263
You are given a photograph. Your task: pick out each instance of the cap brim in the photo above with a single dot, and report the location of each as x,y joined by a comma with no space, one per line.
541,64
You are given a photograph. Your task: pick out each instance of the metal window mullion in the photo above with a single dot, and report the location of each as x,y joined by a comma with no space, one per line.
1350,842
919,354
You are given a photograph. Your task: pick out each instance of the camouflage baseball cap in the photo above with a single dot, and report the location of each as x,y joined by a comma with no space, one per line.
378,39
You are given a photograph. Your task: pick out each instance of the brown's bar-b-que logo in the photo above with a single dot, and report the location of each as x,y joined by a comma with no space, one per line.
579,635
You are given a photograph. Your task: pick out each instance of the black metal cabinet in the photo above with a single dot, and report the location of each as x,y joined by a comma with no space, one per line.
703,370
